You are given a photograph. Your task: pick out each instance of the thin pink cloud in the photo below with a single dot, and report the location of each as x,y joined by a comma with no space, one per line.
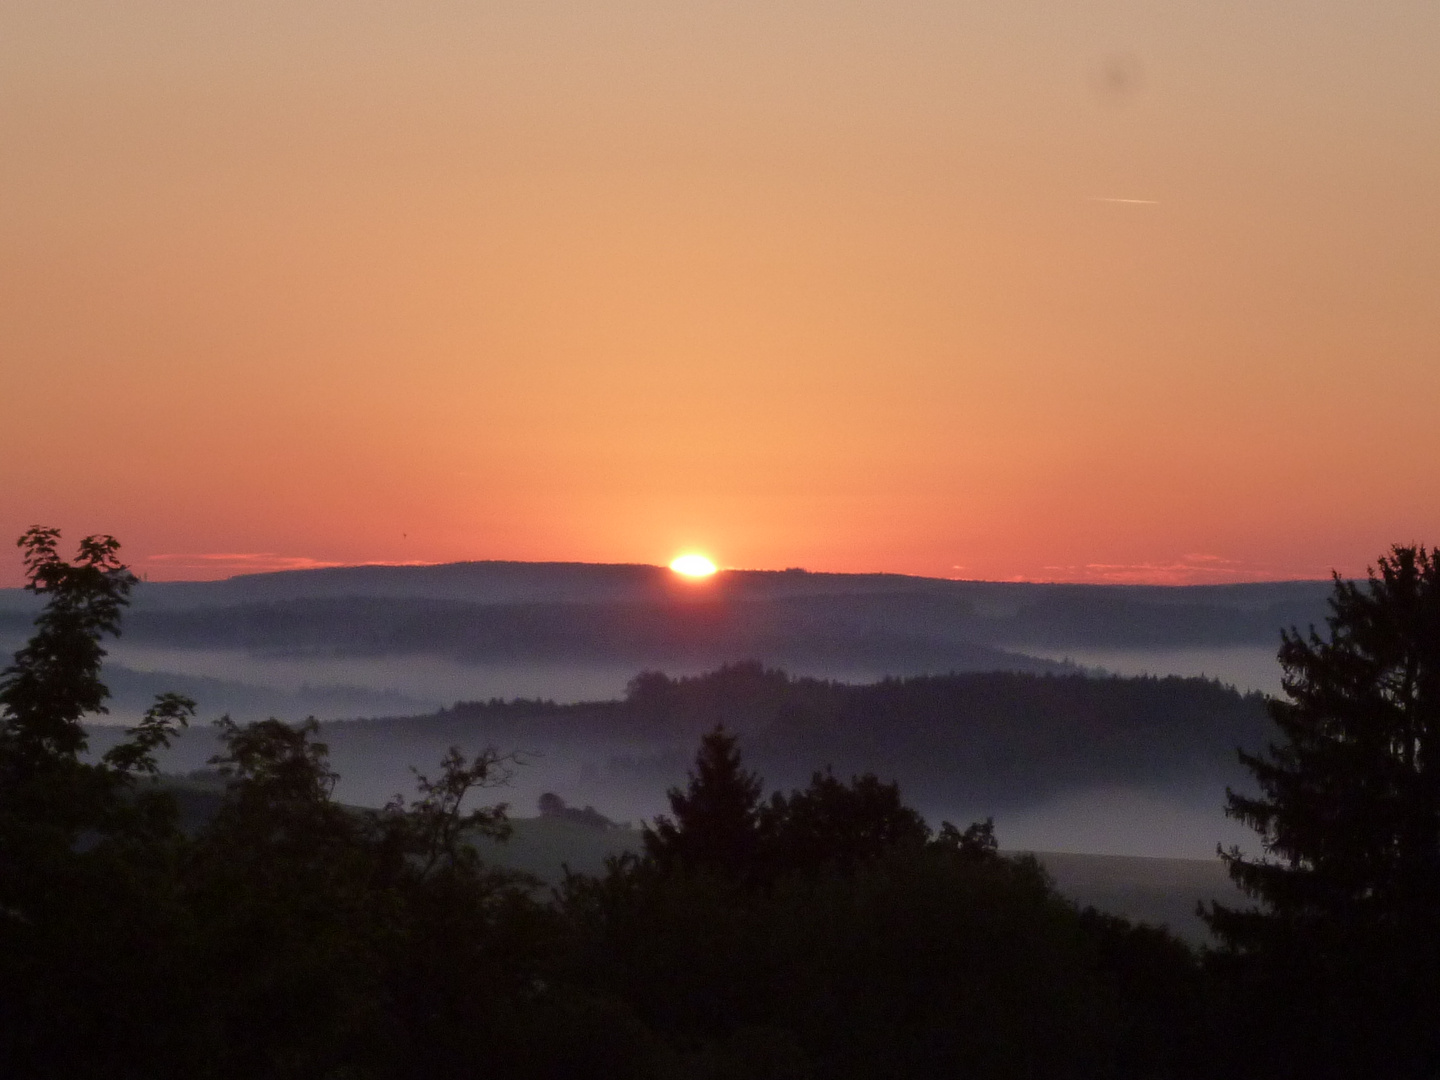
1192,569
1171,574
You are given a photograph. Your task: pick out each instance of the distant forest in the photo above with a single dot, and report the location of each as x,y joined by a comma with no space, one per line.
993,738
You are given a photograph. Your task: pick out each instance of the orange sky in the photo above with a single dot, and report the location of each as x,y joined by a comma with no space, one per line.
839,285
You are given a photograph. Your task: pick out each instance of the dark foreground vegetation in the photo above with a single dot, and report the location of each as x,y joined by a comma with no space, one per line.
824,932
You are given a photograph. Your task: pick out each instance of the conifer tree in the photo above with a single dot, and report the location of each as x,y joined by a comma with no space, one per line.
716,822
1347,937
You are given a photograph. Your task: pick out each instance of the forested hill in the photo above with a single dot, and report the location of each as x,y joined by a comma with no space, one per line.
991,739
532,583
845,625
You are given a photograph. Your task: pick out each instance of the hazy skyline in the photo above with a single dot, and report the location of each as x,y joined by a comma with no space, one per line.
1096,291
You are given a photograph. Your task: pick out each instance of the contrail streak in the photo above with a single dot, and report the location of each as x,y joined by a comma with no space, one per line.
1134,202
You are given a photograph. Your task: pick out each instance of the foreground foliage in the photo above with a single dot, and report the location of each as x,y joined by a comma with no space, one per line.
289,937
828,933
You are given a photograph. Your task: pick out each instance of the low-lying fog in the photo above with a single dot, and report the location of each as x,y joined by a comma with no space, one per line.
628,783
1118,821
429,682
395,685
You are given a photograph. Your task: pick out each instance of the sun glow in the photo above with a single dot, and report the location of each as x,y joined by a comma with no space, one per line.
693,566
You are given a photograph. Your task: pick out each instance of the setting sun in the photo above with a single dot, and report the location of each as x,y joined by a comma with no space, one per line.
693,566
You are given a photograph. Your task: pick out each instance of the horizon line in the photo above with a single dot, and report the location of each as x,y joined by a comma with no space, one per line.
1134,576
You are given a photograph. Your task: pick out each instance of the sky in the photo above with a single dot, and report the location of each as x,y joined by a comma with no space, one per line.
1041,289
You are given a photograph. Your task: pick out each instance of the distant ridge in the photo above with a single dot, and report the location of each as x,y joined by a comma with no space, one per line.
502,582
646,615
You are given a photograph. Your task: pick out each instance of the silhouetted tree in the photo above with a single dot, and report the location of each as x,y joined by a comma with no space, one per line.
340,941
975,843
837,825
716,819
86,850
1346,942
855,946
55,679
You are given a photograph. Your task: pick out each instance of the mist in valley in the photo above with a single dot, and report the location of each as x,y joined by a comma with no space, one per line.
385,657
1245,667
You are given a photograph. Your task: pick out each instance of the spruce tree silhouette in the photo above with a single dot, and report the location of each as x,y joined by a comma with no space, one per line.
1348,937
716,822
